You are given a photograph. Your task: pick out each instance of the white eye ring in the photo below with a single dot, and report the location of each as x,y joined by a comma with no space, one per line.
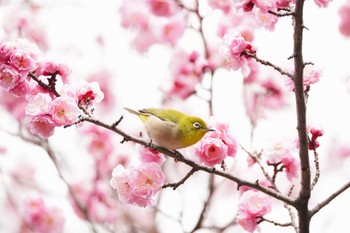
197,125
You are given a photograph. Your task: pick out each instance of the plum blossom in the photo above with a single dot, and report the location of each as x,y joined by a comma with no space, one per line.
22,61
311,76
88,94
284,153
216,146
344,13
234,48
322,3
40,217
49,68
211,151
9,77
38,104
99,202
134,14
252,205
42,126
265,19
315,132
163,8
170,30
147,155
13,104
64,111
224,5
187,70
105,79
138,185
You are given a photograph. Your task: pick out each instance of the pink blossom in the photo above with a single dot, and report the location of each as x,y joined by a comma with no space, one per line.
223,132
144,40
273,95
164,8
88,94
265,19
9,77
21,89
322,3
234,49
6,50
42,126
49,68
147,155
139,185
187,70
97,199
251,206
344,13
285,153
283,3
265,5
100,145
311,76
38,104
315,134
42,218
211,151
134,14
13,104
170,30
147,180
224,5
22,61
64,111
105,79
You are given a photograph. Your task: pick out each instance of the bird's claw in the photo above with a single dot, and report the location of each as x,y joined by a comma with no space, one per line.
151,145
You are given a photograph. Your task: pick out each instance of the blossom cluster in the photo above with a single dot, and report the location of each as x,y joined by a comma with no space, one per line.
46,107
187,70
138,185
216,146
39,217
235,49
155,21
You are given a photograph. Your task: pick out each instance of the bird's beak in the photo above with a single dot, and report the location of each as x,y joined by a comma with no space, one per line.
207,129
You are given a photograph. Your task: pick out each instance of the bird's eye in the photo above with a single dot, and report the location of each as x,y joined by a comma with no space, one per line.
196,125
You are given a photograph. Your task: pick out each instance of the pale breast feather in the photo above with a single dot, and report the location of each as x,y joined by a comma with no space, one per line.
163,133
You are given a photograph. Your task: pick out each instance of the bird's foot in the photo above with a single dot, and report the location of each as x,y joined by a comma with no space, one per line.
151,145
178,155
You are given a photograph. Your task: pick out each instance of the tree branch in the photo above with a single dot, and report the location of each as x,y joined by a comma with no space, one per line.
182,181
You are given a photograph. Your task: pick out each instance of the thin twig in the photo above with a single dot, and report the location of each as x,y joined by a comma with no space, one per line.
317,167
182,181
329,199
49,87
206,204
267,63
262,219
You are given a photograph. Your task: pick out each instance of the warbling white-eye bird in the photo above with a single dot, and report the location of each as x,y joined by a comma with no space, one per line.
171,129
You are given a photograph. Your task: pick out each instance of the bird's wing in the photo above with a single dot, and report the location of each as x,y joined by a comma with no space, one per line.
170,115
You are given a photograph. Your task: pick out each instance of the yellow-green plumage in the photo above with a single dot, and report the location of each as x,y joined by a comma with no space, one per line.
171,129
